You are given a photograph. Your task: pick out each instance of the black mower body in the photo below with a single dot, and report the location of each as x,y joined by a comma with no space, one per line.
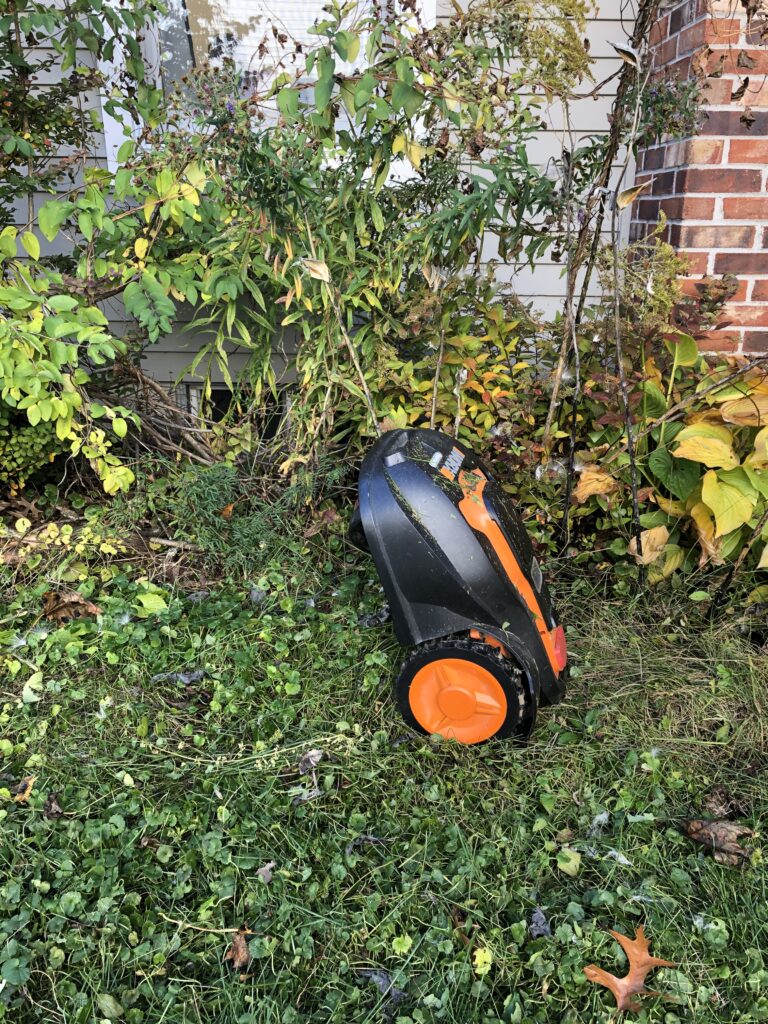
453,556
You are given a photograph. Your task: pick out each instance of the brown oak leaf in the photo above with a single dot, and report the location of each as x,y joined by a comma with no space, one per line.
60,606
722,837
238,953
633,982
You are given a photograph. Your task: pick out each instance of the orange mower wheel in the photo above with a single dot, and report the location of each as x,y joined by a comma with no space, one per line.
463,690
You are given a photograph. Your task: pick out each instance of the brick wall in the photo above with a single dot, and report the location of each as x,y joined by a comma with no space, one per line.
713,188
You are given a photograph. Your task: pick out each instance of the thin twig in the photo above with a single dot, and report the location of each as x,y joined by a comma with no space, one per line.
207,931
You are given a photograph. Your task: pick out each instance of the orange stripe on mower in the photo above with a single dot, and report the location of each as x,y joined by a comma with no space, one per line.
472,507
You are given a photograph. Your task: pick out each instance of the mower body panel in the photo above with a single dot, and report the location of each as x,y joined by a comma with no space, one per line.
453,555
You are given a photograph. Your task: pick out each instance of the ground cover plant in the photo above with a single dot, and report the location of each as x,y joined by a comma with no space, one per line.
211,811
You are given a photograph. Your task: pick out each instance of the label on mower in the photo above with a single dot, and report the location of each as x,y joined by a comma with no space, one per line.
452,463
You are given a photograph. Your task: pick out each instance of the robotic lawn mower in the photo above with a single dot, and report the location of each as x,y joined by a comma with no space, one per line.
464,587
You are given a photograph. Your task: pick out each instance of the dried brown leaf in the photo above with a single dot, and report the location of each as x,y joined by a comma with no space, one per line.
593,480
51,808
720,803
238,953
633,982
62,606
723,838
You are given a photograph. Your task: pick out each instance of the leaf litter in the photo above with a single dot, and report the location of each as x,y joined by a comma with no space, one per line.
723,838
633,983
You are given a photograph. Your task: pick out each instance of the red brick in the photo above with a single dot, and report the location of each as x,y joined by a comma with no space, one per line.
717,31
666,53
678,69
746,316
755,341
648,210
697,261
727,61
760,291
658,31
745,208
711,236
717,91
663,184
729,122
718,341
745,263
688,208
718,179
748,151
721,31
653,159
694,151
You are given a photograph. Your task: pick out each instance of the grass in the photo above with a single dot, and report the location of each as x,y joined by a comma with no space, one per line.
414,855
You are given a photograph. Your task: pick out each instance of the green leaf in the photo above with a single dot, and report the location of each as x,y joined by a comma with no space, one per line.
288,103
569,861
109,1006
405,97
52,215
8,241
364,90
731,497
15,971
679,476
684,349
125,152
119,426
654,401
85,223
30,692
347,45
152,604
61,303
31,244
324,83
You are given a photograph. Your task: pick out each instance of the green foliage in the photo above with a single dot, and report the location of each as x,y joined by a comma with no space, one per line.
45,337
317,225
45,130
159,793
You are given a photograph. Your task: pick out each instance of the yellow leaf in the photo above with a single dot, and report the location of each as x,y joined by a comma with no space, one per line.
758,459
399,144
318,270
415,153
652,542
710,450
670,506
705,529
732,507
698,429
763,563
188,192
674,558
195,175
750,411
593,480
140,247
628,195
